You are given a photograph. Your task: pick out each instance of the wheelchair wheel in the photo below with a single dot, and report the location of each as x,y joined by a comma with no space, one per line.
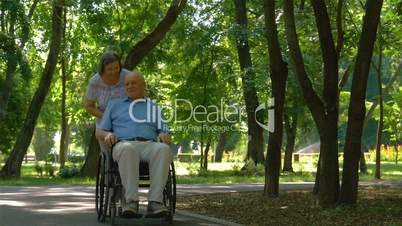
100,188
112,210
169,194
106,198
114,193
173,188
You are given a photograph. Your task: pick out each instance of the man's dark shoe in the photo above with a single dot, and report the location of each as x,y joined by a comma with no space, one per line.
156,210
131,210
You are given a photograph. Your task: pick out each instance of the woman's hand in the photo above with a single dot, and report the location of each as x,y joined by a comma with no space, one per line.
91,108
110,139
165,138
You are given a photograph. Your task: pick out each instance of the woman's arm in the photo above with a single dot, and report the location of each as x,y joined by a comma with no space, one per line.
90,107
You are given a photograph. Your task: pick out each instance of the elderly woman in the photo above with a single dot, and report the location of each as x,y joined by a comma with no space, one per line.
105,85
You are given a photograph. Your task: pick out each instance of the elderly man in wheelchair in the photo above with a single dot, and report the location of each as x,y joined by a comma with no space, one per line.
132,125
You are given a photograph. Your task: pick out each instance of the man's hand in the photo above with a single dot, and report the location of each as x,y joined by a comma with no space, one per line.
165,138
110,139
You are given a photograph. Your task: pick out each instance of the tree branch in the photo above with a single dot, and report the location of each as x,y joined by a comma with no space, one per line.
344,78
32,9
312,99
143,47
329,55
341,33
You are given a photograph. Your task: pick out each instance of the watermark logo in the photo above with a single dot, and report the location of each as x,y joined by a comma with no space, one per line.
184,114
270,105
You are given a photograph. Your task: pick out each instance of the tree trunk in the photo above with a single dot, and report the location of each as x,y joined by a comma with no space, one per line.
317,177
62,154
396,152
290,128
279,74
207,147
363,165
325,113
67,142
138,52
89,169
377,174
221,146
357,107
255,138
12,167
63,63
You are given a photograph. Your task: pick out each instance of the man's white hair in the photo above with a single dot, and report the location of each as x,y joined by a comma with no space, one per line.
137,73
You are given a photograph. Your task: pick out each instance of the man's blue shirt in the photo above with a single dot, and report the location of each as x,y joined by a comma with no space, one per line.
144,119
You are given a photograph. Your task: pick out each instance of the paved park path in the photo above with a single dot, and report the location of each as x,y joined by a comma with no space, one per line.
74,205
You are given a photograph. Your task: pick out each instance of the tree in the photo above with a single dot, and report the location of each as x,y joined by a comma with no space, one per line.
14,32
142,48
357,109
380,127
64,120
278,75
136,54
14,52
255,139
13,165
393,119
325,111
291,129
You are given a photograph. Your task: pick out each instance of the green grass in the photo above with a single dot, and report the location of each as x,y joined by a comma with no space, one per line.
304,172
45,180
29,176
222,173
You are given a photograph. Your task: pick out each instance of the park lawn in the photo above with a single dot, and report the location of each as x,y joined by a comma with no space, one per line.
377,205
219,173
304,172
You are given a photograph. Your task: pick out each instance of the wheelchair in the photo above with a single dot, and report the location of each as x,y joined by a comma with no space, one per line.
109,189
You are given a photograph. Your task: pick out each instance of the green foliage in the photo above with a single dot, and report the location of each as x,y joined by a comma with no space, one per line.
12,121
197,61
193,169
42,143
76,159
233,140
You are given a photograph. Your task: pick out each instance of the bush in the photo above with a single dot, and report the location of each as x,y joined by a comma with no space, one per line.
39,168
68,172
49,169
250,169
236,167
193,169
387,154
